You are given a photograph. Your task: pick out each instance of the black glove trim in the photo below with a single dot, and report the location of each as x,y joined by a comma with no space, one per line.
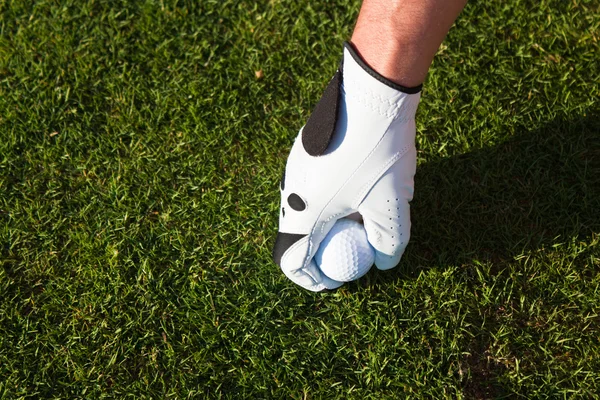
283,242
319,129
376,75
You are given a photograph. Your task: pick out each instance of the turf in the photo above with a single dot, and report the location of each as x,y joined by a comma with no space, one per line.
141,145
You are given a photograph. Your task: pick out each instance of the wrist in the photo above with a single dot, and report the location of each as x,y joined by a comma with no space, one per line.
396,61
399,38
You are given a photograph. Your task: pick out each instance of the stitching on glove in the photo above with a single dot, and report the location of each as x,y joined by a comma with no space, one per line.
303,267
390,100
329,219
408,110
369,98
394,107
371,182
312,231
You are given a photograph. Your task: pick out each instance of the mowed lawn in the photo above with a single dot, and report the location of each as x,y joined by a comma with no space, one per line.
141,146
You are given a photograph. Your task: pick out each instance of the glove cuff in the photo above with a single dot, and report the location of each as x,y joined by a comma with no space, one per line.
365,90
360,90
357,58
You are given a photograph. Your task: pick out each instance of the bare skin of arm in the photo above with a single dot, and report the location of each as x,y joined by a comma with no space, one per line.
399,38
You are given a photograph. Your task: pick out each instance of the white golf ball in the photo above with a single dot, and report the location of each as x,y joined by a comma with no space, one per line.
345,254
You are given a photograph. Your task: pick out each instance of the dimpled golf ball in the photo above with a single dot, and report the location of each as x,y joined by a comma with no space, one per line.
345,254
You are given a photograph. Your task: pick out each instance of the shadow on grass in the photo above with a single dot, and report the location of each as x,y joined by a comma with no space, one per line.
539,188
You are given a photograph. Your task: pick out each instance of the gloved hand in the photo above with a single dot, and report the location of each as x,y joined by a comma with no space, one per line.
356,153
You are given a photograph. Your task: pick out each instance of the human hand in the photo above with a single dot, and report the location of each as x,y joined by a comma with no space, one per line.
356,153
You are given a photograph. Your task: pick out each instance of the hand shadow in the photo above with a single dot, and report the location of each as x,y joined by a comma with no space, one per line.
491,205
539,188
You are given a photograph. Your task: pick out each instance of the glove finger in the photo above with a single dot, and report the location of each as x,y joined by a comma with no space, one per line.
294,254
388,233
386,213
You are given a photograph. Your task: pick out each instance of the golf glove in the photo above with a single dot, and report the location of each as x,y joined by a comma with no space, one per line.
356,153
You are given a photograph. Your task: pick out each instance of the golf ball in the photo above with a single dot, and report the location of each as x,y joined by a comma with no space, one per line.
345,254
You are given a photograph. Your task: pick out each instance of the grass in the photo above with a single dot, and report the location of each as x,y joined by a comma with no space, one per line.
139,163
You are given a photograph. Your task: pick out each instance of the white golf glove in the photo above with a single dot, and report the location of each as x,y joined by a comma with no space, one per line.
356,153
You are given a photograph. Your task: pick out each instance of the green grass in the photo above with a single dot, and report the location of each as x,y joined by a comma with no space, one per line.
139,163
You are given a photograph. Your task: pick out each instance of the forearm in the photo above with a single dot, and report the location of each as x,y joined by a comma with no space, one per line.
399,38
